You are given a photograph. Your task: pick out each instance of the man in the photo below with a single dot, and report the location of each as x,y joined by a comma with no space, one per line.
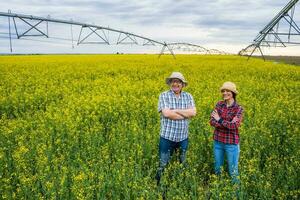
176,107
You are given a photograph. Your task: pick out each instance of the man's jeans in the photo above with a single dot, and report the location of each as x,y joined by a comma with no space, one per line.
166,149
232,152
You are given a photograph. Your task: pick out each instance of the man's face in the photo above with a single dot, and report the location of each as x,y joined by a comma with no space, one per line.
176,85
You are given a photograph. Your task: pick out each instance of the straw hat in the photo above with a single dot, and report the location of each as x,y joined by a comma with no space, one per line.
229,86
177,75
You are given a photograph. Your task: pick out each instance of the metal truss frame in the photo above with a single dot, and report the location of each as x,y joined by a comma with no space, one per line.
166,46
193,48
92,30
216,52
32,27
125,38
271,30
87,31
187,47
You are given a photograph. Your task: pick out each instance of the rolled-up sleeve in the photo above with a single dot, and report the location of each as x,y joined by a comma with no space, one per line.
162,102
191,102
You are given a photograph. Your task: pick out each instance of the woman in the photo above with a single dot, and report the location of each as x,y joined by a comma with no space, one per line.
226,118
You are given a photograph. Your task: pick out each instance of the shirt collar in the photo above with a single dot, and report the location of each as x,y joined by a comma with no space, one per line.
233,105
173,93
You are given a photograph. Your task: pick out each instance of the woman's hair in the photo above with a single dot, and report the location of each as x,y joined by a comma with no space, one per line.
233,95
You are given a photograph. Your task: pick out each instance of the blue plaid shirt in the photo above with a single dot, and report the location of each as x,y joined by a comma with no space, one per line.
174,130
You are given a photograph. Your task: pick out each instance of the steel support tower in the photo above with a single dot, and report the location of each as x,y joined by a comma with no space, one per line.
274,34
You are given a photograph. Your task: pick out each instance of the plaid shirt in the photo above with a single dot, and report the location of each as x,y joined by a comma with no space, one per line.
226,131
174,130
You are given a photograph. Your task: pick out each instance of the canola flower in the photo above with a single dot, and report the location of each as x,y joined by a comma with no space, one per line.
87,127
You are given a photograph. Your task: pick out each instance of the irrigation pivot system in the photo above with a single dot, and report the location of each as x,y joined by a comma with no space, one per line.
33,23
193,48
33,26
281,31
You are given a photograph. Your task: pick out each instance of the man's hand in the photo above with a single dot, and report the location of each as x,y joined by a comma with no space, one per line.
186,113
171,114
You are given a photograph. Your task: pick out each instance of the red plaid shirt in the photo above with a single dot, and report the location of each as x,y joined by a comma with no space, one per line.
227,131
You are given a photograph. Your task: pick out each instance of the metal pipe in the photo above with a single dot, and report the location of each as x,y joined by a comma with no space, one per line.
74,23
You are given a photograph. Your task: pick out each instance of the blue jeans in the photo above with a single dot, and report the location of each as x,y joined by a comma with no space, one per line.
167,148
232,152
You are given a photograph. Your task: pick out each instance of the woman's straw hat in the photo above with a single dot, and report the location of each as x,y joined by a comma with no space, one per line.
229,86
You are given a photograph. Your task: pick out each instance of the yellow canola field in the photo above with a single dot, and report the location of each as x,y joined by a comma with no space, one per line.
87,127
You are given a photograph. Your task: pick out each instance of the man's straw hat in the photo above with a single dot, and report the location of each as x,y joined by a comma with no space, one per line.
177,75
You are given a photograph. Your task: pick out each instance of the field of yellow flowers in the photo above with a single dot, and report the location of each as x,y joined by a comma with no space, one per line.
87,127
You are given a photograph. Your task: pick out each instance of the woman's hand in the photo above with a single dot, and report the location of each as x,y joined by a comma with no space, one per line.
215,115
235,119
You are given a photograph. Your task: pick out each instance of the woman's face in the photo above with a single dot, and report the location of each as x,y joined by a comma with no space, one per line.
227,95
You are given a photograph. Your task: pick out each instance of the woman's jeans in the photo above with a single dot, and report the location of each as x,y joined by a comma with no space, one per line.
232,152
166,149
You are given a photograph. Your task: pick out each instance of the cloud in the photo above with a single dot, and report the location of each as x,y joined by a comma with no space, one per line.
200,21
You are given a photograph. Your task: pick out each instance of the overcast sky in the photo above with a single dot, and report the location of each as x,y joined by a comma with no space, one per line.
228,25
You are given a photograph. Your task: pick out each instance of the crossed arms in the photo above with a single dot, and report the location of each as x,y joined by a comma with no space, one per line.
217,121
178,114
